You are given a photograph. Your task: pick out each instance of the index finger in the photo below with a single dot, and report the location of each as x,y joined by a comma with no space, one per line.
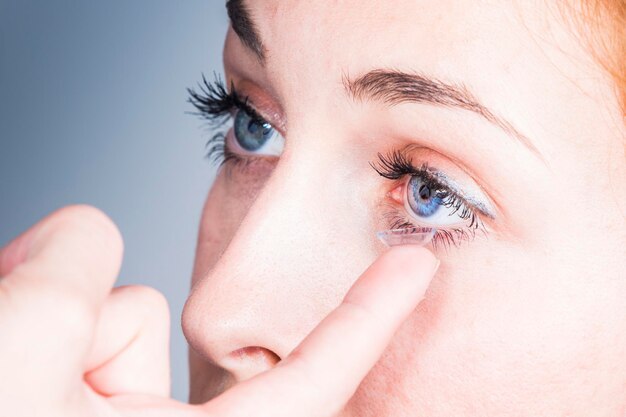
324,371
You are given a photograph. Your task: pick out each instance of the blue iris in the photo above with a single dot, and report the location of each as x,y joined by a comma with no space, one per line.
250,132
422,199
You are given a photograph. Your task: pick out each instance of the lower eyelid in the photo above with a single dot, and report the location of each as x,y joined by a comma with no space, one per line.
444,236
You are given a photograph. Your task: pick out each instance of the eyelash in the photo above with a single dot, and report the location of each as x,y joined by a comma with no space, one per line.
216,105
396,165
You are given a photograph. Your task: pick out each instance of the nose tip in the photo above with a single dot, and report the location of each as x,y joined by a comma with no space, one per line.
222,343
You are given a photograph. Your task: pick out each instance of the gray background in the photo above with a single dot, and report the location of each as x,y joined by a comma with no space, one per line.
92,110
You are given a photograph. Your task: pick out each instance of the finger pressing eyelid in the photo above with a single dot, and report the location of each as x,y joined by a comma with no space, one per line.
324,371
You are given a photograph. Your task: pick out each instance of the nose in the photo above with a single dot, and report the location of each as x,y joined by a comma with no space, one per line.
293,257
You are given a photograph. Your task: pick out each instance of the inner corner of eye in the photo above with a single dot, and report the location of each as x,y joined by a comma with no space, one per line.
396,194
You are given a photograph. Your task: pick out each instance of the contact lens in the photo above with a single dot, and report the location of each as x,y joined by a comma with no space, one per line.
407,236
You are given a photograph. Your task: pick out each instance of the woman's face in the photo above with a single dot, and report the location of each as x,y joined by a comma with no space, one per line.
494,125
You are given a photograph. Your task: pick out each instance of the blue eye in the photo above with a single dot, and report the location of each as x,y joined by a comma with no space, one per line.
428,204
256,136
422,199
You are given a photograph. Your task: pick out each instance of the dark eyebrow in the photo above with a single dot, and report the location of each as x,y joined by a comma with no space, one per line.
395,87
245,28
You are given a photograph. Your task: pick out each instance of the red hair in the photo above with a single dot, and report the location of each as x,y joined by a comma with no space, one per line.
604,29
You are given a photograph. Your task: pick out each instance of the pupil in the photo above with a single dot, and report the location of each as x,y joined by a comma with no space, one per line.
422,199
424,192
253,126
251,134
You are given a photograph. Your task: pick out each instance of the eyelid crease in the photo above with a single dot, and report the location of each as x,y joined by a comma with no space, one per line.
247,107
392,86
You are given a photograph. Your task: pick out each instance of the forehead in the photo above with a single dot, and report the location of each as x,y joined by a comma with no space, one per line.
429,35
520,58
486,45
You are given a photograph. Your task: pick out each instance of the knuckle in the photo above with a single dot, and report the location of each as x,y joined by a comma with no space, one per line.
67,300
152,301
77,317
66,308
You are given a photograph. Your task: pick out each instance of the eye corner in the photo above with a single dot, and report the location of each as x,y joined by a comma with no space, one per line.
396,194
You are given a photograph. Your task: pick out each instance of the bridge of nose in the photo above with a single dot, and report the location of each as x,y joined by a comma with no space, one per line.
287,266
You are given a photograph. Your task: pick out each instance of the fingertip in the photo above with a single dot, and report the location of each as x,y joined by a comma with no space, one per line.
351,338
399,277
403,258
76,247
413,252
82,227
87,220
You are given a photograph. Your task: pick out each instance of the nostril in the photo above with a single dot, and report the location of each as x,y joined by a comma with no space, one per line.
255,354
249,361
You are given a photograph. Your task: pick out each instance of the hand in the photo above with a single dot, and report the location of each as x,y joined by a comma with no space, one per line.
70,345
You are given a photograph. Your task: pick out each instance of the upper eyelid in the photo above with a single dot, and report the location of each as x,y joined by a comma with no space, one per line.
244,104
442,179
256,114
266,103
215,102
435,176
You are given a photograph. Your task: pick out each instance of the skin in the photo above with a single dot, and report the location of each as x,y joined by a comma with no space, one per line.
529,319
297,312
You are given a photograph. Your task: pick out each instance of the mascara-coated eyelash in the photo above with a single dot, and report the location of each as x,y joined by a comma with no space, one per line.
216,105
396,165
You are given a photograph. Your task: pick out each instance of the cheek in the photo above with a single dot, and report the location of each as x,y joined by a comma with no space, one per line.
536,339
